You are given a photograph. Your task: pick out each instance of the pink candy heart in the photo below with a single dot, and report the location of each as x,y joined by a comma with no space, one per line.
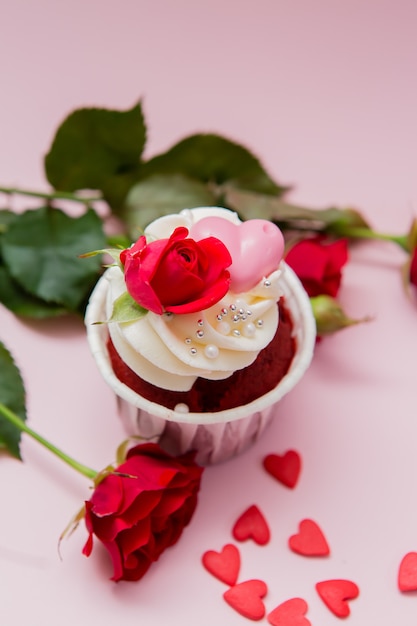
290,613
246,598
223,565
407,574
251,525
286,468
336,593
310,540
256,248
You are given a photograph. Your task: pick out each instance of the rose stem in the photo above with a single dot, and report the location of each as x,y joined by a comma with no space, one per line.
367,233
20,424
56,195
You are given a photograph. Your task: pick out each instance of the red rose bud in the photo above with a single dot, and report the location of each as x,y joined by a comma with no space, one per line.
318,264
177,275
413,268
330,316
142,509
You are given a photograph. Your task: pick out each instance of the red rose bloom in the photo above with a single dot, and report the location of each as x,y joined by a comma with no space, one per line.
318,264
177,274
413,268
142,509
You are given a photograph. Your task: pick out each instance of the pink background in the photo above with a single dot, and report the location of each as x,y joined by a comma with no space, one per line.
325,93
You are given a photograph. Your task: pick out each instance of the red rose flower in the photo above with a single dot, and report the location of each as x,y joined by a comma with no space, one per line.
413,268
142,509
318,264
177,274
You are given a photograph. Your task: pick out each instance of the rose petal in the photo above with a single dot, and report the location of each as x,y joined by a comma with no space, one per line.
108,496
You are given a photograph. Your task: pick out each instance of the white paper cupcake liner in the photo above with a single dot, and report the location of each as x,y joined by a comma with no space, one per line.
215,436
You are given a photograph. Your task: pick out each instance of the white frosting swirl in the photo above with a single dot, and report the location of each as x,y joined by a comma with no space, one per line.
171,351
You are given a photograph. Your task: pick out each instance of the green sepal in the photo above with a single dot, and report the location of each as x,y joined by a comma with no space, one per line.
330,316
114,253
71,526
124,447
126,309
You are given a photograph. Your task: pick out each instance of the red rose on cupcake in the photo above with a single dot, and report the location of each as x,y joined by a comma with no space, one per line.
142,508
177,275
318,264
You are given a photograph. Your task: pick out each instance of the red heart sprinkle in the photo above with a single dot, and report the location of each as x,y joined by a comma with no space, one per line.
245,598
251,525
310,540
285,468
407,574
335,594
290,613
224,565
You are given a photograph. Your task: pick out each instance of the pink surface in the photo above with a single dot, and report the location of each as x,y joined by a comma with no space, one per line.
325,93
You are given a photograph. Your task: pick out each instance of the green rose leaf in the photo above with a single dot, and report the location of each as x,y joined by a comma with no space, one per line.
97,149
12,395
254,205
41,249
162,194
6,218
213,159
22,303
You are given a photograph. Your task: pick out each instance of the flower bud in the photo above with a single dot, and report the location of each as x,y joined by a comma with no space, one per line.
409,272
412,236
330,316
409,269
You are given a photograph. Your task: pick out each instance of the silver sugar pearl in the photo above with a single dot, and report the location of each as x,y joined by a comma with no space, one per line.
211,351
223,328
259,323
188,340
193,351
249,329
200,333
236,333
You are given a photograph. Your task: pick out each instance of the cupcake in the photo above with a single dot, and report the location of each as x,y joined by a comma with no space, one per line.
205,330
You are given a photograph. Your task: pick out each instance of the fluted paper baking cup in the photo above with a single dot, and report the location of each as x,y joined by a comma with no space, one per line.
216,436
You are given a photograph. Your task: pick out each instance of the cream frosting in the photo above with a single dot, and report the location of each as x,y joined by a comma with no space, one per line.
172,351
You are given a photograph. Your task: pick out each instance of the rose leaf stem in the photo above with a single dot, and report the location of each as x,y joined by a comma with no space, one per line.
22,426
367,233
55,195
